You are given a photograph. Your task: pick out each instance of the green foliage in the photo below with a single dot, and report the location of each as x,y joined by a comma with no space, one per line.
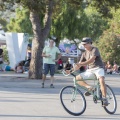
70,21
109,42
109,46
3,23
74,23
5,53
104,6
21,23
96,23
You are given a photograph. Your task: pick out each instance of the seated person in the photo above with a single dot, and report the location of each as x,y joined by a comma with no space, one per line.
1,67
60,64
1,59
108,68
27,65
68,66
115,68
8,68
119,69
19,68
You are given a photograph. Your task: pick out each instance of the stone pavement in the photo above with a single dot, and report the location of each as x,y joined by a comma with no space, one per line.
24,99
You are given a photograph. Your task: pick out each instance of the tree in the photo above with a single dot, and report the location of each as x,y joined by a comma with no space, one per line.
104,6
109,42
41,28
3,23
41,23
21,23
76,23
109,47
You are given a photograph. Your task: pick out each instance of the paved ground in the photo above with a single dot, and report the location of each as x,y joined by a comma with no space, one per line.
23,99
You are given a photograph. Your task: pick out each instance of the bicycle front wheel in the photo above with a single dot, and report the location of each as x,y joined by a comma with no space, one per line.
72,100
111,108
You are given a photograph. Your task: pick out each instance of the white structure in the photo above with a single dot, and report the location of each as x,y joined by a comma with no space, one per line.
2,37
16,46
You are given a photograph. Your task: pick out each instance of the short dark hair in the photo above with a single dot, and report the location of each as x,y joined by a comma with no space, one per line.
53,38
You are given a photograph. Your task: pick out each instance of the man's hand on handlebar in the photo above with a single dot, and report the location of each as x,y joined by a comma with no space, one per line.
76,66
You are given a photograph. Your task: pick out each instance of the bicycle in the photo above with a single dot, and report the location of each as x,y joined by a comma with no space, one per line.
74,102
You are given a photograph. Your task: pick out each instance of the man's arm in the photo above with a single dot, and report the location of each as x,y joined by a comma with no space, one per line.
59,56
91,60
44,55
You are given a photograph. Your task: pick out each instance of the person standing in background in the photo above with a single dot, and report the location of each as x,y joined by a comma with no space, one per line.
60,64
49,59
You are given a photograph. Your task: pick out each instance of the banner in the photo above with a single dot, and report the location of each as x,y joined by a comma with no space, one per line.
68,49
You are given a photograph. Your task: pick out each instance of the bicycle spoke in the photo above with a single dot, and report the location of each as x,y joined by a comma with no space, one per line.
72,100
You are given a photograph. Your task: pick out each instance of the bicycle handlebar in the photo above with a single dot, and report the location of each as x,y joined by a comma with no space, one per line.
65,74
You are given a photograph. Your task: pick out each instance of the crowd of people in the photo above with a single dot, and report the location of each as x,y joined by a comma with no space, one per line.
112,69
23,65
20,67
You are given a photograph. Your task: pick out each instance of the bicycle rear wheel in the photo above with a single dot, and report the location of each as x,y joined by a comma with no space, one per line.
72,100
111,108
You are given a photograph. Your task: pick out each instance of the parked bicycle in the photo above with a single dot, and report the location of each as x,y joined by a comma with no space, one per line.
74,102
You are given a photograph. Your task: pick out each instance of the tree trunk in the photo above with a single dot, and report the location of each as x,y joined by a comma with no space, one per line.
37,47
36,65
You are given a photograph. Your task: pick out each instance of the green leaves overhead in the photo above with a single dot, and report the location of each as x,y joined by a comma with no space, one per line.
104,6
109,47
109,42
21,23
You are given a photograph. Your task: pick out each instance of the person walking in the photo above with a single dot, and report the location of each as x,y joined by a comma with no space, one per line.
49,61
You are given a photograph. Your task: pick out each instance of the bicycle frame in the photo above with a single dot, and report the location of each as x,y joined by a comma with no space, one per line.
96,94
74,93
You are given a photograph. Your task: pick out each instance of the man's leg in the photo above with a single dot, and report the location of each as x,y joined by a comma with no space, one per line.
43,80
82,82
52,72
46,70
52,79
102,86
103,90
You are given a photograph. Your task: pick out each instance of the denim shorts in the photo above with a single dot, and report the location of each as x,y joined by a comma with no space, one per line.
49,67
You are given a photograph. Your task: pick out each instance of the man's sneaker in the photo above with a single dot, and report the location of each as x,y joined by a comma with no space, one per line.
88,93
105,102
42,85
51,86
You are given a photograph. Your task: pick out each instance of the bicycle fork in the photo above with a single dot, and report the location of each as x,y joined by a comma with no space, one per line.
74,92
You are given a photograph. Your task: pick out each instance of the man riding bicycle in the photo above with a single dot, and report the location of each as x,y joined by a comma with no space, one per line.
92,58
